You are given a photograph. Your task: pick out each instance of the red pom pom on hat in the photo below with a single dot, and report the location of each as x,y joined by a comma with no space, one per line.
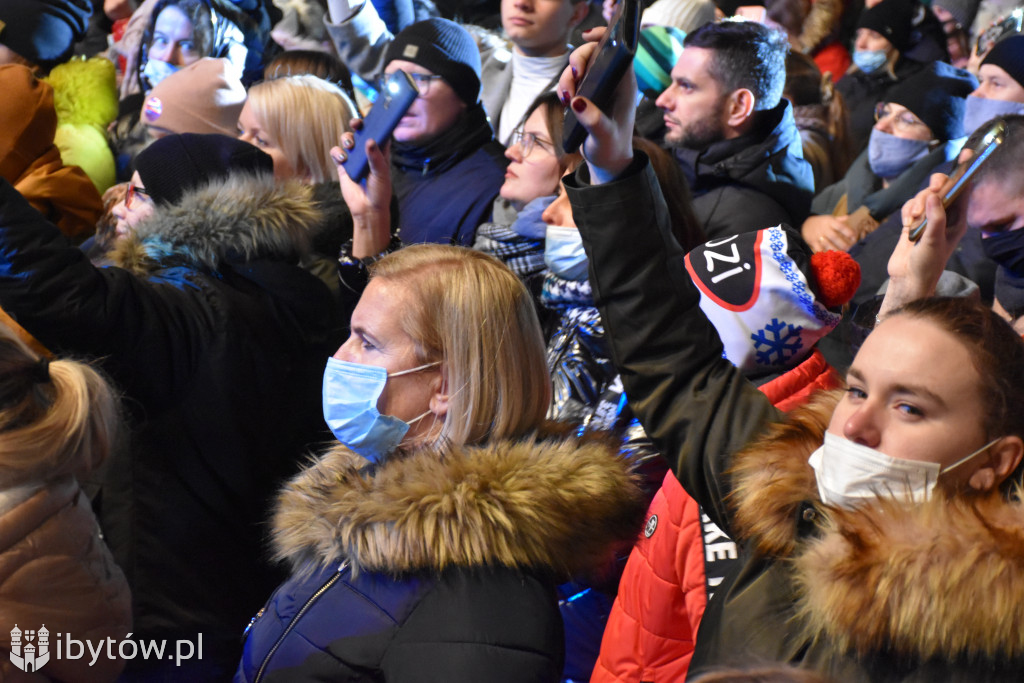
837,275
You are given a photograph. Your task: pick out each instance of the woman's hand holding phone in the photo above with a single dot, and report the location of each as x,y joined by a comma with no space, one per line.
369,204
608,148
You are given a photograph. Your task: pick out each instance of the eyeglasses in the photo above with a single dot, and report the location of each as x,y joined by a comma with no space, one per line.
528,142
904,122
422,82
135,193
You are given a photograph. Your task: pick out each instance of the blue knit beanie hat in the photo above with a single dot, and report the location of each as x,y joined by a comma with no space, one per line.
446,49
43,31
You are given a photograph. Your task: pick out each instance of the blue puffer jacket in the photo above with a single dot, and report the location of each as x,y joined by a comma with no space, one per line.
438,566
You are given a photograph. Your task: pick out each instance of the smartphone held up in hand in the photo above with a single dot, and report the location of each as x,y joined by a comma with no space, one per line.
394,99
962,174
613,56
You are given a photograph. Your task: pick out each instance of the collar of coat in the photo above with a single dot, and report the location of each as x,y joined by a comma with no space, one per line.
241,217
556,504
939,579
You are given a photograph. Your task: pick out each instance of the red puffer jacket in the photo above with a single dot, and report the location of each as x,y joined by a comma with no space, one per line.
676,564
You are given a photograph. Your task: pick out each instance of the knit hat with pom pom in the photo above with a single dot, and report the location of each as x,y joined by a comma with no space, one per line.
768,298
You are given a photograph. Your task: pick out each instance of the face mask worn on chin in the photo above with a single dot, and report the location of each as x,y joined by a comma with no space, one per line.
980,111
564,254
889,156
157,70
870,60
849,473
1006,249
350,394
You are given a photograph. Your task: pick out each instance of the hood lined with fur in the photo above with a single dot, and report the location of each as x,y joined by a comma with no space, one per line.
242,216
562,505
944,578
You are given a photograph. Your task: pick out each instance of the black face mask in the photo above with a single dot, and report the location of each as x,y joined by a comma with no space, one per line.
1010,292
1006,249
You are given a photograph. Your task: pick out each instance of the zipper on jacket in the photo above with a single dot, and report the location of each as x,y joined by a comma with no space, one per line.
298,615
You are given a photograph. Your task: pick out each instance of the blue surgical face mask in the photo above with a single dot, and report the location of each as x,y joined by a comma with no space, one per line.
890,156
980,110
564,254
350,395
870,60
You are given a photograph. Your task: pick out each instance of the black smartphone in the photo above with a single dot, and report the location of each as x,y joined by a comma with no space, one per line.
394,99
958,179
614,55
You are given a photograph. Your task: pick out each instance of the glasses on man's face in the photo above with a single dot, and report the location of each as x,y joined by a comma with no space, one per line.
904,122
528,142
422,82
134,196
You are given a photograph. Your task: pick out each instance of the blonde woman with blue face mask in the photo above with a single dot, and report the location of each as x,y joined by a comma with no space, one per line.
427,543
881,531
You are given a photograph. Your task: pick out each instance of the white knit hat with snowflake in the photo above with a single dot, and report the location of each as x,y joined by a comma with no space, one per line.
763,293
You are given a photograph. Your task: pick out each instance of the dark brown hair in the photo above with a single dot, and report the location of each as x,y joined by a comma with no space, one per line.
805,85
554,117
685,226
996,350
313,62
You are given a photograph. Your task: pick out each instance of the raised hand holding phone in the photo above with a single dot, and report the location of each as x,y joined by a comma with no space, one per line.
605,68
396,95
608,146
961,176
369,202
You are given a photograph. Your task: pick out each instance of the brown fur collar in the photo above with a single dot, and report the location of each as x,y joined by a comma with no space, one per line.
771,477
943,578
249,216
563,505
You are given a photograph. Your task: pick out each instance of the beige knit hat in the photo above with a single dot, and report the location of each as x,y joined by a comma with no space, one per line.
685,15
204,97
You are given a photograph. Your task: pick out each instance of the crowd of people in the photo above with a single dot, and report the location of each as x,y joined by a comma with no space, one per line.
686,403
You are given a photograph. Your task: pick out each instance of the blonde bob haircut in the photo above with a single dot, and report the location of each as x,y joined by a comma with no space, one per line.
57,418
306,116
475,316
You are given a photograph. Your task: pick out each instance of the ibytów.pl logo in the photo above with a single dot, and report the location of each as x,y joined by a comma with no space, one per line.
30,650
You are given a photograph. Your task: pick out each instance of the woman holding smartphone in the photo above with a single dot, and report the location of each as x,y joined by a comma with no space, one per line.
882,534
426,544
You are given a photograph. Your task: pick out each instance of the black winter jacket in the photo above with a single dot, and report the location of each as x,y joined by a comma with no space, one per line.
218,339
891,592
435,567
751,182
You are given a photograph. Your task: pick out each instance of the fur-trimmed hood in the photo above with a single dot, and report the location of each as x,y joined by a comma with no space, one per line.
242,216
559,505
941,579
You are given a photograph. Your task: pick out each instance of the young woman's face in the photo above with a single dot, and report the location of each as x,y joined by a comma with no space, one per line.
172,38
251,130
914,394
536,174
378,339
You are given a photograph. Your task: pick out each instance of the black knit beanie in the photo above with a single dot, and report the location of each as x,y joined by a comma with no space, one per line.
43,31
1008,55
175,164
729,7
892,19
446,49
937,94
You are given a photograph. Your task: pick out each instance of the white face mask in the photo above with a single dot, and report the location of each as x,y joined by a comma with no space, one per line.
849,473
